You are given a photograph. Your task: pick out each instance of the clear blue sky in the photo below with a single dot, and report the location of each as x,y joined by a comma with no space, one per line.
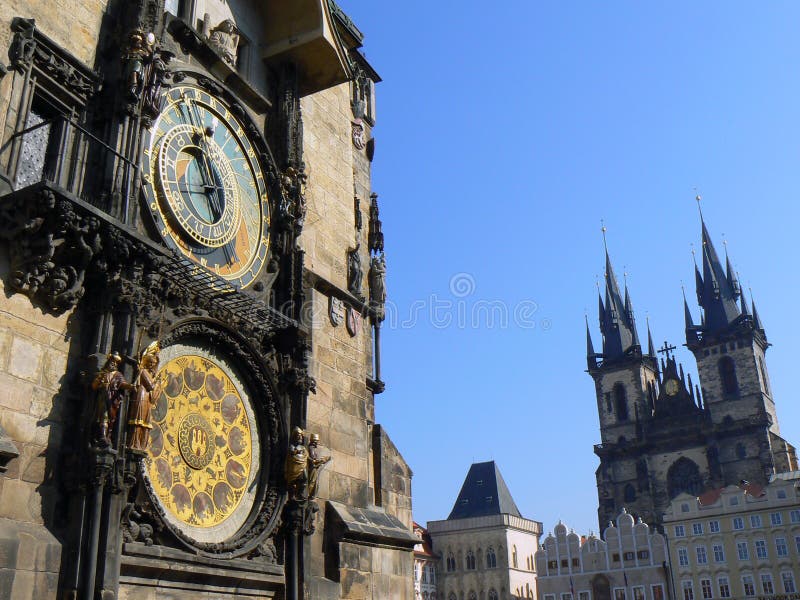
505,132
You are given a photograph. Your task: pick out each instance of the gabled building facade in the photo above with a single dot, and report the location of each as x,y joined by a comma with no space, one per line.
661,434
486,546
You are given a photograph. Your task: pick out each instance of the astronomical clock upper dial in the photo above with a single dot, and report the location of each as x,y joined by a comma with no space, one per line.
204,452
204,185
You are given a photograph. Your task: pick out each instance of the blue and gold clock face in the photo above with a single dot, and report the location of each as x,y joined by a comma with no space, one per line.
204,186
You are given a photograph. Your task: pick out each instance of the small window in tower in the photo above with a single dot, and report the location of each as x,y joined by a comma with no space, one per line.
741,451
762,369
609,406
630,493
621,402
727,374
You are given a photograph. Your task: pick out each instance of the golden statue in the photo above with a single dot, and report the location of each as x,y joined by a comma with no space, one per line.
297,465
148,391
109,387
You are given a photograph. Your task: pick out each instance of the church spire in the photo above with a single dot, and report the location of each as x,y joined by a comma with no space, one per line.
616,317
651,349
717,290
591,355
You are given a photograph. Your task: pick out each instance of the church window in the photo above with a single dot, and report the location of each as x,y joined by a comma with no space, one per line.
762,369
473,595
470,561
492,594
630,493
684,476
514,557
491,558
620,402
451,563
741,451
609,406
452,596
727,374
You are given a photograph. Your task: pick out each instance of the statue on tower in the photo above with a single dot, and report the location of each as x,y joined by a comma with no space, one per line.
109,387
148,391
224,39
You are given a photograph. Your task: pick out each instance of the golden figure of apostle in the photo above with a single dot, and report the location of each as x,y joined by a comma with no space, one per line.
148,391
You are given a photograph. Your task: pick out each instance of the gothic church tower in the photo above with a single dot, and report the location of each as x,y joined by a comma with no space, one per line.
660,436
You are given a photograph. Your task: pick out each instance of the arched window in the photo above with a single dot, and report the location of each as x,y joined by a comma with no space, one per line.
451,563
492,594
601,588
470,561
473,596
514,557
630,493
491,558
763,369
727,374
684,476
620,402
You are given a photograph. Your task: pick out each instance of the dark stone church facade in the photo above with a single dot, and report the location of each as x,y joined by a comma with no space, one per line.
662,434
192,286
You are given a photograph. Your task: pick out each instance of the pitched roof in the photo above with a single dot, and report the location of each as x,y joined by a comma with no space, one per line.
483,493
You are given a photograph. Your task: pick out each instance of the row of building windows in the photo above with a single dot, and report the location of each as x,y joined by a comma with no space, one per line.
742,551
723,589
638,592
615,557
738,523
425,573
491,595
472,561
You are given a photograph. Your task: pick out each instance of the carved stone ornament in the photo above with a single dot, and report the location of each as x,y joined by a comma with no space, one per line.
377,285
336,311
355,272
359,134
224,38
354,321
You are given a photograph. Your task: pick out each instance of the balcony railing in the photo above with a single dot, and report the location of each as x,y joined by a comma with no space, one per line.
62,152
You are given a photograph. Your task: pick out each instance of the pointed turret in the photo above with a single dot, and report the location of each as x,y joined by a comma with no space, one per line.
717,290
691,330
591,355
651,349
730,275
756,319
616,319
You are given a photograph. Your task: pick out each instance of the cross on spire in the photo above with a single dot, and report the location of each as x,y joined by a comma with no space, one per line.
666,349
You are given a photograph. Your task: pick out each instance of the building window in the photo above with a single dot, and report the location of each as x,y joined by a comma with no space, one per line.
755,521
727,373
761,549
473,595
552,564
780,547
797,543
741,549
549,597
680,531
514,557
734,501
719,553
685,507
619,594
781,494
615,557
451,563
748,585
657,591
566,596
492,594
788,582
491,558
583,595
705,586
741,451
576,563
643,554
702,558
630,493
724,587
738,523
620,402
775,518
763,371
688,590
713,526
470,561
564,563
629,556
766,584
684,476
638,593
794,516
697,529
683,557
